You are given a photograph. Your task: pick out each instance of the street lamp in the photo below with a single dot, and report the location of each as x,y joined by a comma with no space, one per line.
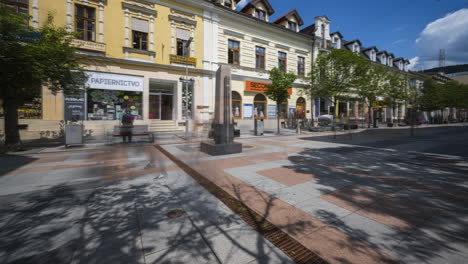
185,94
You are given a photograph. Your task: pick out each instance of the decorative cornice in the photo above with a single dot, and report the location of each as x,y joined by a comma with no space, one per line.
139,9
182,20
233,33
261,41
279,46
302,52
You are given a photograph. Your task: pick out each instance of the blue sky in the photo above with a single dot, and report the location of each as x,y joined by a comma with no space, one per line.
394,25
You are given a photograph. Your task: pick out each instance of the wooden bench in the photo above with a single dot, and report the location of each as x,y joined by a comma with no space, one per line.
139,130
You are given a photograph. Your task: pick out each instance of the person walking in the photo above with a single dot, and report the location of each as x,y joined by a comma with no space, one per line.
127,125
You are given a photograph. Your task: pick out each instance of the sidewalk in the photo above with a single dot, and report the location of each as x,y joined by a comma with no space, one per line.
104,205
348,204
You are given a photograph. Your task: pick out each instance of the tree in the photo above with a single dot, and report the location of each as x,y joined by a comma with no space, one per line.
333,75
371,85
31,58
396,90
277,91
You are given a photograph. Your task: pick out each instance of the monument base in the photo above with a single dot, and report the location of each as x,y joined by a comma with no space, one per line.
221,149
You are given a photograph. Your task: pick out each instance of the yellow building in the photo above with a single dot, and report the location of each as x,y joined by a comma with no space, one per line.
140,55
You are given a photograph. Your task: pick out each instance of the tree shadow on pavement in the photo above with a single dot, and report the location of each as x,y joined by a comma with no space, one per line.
13,162
410,206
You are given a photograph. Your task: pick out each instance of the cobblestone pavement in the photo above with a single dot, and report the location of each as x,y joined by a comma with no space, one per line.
353,203
104,205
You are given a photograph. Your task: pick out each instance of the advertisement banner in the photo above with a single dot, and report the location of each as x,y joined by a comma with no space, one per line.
271,111
119,82
74,107
248,110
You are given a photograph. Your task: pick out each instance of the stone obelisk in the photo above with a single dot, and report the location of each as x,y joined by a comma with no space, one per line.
222,124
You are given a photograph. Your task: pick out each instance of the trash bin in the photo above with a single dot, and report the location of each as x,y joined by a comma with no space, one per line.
73,135
259,127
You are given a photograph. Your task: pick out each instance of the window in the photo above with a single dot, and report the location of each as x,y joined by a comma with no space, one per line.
259,57
259,106
282,61
183,37
300,108
236,105
110,104
260,14
85,22
383,59
233,52
140,34
228,3
19,6
292,26
300,66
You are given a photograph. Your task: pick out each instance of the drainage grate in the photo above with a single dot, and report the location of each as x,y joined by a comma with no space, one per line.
175,213
296,251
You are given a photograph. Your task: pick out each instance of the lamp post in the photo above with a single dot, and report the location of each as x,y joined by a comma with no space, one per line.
185,86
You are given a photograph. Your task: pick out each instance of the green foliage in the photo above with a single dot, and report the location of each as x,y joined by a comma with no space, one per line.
436,96
280,83
396,88
277,91
373,82
31,58
334,74
431,98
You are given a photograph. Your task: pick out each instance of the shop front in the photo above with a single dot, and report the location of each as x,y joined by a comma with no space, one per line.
109,95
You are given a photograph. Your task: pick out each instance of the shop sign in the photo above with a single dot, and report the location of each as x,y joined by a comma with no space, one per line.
259,87
119,82
89,45
74,108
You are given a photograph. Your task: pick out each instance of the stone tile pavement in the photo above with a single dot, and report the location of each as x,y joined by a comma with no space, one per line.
104,205
350,204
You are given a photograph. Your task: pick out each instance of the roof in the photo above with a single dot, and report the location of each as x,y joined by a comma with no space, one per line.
288,15
383,51
369,48
352,41
336,32
252,3
323,17
310,30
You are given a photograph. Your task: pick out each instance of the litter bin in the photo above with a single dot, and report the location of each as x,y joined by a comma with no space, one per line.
73,135
259,127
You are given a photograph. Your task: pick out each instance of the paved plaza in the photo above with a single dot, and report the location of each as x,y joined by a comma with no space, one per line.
376,196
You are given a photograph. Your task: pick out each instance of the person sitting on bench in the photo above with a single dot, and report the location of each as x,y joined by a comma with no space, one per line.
127,125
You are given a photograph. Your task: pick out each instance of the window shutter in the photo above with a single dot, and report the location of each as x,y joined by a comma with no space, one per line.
183,34
140,25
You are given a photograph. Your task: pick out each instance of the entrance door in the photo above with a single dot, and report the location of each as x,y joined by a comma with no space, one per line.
155,106
166,106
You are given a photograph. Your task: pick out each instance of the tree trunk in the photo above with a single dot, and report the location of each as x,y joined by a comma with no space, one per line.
12,136
278,118
370,115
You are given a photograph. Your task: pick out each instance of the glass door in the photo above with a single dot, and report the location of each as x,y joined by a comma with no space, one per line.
155,106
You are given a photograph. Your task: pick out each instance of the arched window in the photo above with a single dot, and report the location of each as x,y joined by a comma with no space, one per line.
300,107
260,106
283,110
236,105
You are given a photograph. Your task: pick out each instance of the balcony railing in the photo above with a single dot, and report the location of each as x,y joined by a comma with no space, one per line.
183,60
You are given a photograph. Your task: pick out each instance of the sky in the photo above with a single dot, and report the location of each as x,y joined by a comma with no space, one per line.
412,29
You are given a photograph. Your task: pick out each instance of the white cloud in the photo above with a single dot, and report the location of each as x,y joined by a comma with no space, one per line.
449,33
399,41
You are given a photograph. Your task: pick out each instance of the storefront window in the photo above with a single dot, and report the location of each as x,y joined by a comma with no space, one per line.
283,109
236,105
259,106
110,104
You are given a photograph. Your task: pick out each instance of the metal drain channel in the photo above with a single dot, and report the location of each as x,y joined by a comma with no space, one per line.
293,249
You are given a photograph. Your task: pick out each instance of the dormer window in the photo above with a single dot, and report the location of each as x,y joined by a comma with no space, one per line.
356,48
292,26
227,3
390,62
372,55
383,59
260,14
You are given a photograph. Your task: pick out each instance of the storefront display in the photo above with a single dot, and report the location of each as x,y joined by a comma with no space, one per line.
110,105
112,94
